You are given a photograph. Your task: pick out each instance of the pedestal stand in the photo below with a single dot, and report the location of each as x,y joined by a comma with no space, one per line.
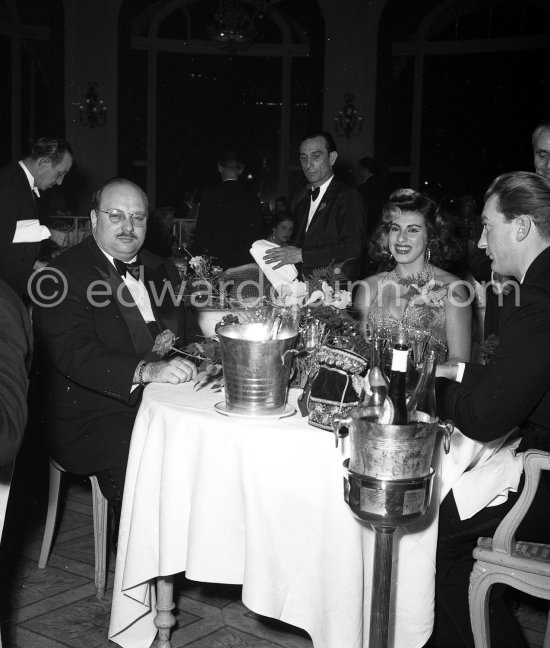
387,483
385,505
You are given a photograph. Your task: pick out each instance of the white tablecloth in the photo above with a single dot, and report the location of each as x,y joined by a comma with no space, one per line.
231,500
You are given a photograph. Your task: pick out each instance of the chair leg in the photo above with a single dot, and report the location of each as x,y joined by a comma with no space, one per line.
478,598
100,510
546,640
53,502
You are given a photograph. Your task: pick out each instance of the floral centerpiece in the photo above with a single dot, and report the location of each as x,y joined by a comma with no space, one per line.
321,312
326,317
203,283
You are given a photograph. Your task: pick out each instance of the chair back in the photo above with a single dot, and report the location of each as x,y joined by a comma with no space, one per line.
502,559
6,473
246,282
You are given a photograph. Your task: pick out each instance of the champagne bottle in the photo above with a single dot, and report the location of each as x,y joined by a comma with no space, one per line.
421,405
398,383
373,401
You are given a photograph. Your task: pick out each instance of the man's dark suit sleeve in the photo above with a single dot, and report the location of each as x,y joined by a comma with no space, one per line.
348,212
15,357
492,400
9,213
71,340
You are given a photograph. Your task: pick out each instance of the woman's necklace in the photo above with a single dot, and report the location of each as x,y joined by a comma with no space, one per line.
419,279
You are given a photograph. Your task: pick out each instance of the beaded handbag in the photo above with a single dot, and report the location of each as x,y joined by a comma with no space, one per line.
335,386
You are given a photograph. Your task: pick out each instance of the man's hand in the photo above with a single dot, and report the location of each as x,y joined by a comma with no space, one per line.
175,371
283,256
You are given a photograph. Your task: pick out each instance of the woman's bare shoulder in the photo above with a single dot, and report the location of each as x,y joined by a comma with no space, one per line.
374,280
445,277
459,286
369,287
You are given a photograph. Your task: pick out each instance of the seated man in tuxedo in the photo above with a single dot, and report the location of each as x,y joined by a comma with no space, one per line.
98,310
330,218
487,402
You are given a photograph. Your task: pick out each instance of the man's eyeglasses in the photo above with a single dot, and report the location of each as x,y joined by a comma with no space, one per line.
139,219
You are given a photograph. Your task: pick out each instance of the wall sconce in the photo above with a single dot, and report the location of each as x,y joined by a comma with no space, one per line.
348,121
93,111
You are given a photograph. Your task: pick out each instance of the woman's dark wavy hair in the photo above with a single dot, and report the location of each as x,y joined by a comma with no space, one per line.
443,245
401,200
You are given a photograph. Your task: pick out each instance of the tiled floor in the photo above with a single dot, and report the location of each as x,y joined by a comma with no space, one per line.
56,607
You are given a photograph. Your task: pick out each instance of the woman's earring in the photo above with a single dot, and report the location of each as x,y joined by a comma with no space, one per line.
428,255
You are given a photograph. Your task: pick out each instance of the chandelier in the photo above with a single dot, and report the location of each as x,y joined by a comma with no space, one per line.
93,111
348,121
233,28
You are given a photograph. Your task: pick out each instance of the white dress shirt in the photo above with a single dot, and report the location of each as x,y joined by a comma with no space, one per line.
315,203
137,290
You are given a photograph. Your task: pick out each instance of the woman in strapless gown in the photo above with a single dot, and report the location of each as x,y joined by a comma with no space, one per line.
427,305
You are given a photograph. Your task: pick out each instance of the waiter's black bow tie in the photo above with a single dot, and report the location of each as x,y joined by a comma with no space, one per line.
313,193
131,268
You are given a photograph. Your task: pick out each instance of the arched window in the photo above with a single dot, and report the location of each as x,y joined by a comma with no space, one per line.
31,68
464,86
183,100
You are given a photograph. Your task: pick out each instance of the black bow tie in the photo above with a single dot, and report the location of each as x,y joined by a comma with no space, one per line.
313,193
131,268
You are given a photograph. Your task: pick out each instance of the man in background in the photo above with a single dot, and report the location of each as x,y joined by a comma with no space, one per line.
330,218
230,217
541,149
21,182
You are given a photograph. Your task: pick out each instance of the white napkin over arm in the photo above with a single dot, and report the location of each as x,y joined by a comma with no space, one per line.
280,277
30,231
488,482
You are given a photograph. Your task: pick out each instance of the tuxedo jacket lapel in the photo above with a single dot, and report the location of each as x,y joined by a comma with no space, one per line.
302,212
123,300
155,284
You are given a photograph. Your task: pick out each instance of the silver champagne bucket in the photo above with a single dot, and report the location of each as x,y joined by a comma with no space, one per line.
256,370
387,484
390,452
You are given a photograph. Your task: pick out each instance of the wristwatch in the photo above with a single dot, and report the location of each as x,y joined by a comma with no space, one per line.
140,373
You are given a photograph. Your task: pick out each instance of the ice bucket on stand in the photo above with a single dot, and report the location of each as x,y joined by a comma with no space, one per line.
256,370
387,483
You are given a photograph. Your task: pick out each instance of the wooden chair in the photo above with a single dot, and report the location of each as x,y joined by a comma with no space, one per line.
523,565
246,283
6,473
100,512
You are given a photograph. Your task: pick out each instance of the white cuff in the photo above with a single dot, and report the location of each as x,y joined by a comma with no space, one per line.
30,231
